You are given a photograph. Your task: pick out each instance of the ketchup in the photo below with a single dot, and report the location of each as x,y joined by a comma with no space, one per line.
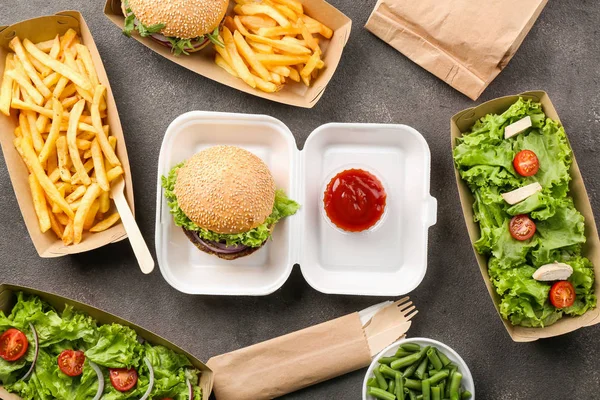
354,200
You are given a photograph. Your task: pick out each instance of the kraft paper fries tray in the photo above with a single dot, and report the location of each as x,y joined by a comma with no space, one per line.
36,30
8,299
461,123
388,261
295,94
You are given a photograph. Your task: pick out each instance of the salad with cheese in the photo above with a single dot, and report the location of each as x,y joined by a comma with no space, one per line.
517,167
45,354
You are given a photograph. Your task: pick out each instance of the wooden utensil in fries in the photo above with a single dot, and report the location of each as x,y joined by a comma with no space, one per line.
140,248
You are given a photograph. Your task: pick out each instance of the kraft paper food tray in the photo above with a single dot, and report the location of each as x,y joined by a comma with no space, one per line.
295,94
462,122
8,298
36,30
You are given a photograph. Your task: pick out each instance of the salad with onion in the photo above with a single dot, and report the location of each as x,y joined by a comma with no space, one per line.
45,354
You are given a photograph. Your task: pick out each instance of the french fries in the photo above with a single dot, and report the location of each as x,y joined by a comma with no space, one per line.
270,41
62,133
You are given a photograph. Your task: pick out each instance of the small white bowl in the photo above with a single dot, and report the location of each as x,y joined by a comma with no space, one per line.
467,380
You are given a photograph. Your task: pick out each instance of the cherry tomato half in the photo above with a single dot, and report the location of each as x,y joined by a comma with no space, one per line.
521,227
71,362
562,294
13,344
123,379
526,163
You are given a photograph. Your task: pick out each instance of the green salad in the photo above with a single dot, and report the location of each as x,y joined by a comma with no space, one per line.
535,230
45,354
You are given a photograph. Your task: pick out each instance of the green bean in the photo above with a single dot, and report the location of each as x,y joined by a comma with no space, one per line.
442,386
466,395
392,386
438,377
434,359
412,347
445,360
421,368
425,375
399,386
380,394
406,361
381,382
455,386
387,371
402,353
426,389
420,397
408,372
372,382
411,395
386,360
436,393
447,393
413,384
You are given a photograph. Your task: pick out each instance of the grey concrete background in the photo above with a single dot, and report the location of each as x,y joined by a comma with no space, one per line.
374,83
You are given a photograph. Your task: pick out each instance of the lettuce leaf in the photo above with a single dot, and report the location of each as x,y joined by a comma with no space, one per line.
117,347
483,159
283,207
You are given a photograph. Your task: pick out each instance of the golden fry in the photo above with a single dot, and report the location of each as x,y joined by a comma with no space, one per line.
36,167
17,47
260,47
55,50
45,46
72,142
86,204
97,123
6,87
91,215
280,70
311,64
253,9
54,131
28,87
294,5
290,48
248,54
39,203
57,66
106,223
114,173
56,226
68,233
86,57
220,61
99,166
281,59
325,31
62,152
237,62
279,31
62,218
104,202
76,194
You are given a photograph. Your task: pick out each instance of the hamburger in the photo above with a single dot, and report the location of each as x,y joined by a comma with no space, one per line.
224,198
185,26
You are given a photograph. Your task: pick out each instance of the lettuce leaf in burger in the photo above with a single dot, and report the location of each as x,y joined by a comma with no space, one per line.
185,26
225,200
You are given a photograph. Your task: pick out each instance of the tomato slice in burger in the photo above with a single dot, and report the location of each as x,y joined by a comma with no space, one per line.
562,294
123,379
13,344
521,227
526,163
71,362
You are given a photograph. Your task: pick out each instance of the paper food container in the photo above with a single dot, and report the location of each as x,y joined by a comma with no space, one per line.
8,299
295,94
36,30
462,122
387,261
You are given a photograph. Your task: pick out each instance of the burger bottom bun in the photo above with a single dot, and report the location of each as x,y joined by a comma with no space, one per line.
194,239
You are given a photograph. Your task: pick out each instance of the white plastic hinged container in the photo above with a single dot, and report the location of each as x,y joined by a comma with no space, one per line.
387,261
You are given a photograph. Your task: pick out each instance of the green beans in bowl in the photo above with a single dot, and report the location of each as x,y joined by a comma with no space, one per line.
418,369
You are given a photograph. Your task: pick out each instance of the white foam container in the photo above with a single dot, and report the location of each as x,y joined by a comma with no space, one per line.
388,261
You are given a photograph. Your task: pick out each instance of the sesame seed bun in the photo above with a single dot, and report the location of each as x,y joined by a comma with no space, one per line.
225,189
184,19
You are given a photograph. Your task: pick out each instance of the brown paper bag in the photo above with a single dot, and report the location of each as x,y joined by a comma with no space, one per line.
292,362
466,43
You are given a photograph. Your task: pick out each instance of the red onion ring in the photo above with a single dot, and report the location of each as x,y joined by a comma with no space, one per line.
189,385
36,352
222,248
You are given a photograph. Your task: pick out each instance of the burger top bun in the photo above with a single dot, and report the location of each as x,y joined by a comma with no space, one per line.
184,19
225,189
